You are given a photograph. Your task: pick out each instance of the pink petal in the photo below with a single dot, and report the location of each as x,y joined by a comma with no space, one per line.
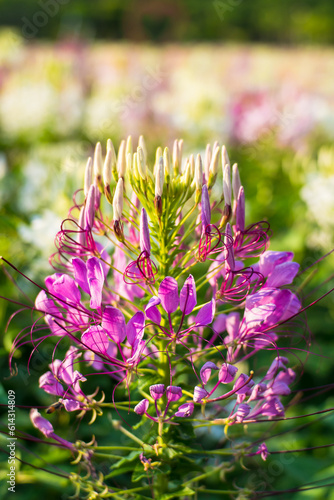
168,294
114,324
188,295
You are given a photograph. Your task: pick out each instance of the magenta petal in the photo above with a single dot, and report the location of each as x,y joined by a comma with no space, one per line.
242,412
57,326
270,306
45,304
232,325
80,273
157,391
65,371
64,288
145,244
141,407
71,404
105,258
206,314
188,298
174,393
206,209
137,349
151,310
185,410
50,384
241,387
278,363
270,259
135,327
205,372
277,389
199,394
114,323
41,423
95,277
240,211
96,339
219,324
168,294
283,274
227,373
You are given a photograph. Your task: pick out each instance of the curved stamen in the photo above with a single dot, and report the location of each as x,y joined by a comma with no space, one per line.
253,240
142,270
238,284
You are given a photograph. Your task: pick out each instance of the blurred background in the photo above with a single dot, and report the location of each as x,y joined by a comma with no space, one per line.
256,76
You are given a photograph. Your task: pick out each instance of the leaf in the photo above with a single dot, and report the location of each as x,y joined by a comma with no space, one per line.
185,491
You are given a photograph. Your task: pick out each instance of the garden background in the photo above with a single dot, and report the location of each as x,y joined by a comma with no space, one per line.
256,76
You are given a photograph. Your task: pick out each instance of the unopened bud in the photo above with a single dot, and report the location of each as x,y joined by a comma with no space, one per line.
145,244
118,200
227,189
141,144
90,207
141,163
192,165
88,176
98,163
213,170
167,168
240,211
110,147
186,175
159,177
225,158
198,178
107,175
208,155
129,148
121,160
206,209
236,183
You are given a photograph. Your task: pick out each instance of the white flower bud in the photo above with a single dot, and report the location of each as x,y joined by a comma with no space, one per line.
208,154
227,189
158,154
236,182
176,165
141,163
107,173
192,165
141,144
110,147
118,200
167,163
121,160
225,158
98,163
199,172
129,148
129,162
88,176
214,161
159,177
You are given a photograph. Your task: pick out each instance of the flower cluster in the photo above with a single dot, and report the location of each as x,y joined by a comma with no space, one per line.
166,291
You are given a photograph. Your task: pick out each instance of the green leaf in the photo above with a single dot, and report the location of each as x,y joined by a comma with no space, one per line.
184,492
